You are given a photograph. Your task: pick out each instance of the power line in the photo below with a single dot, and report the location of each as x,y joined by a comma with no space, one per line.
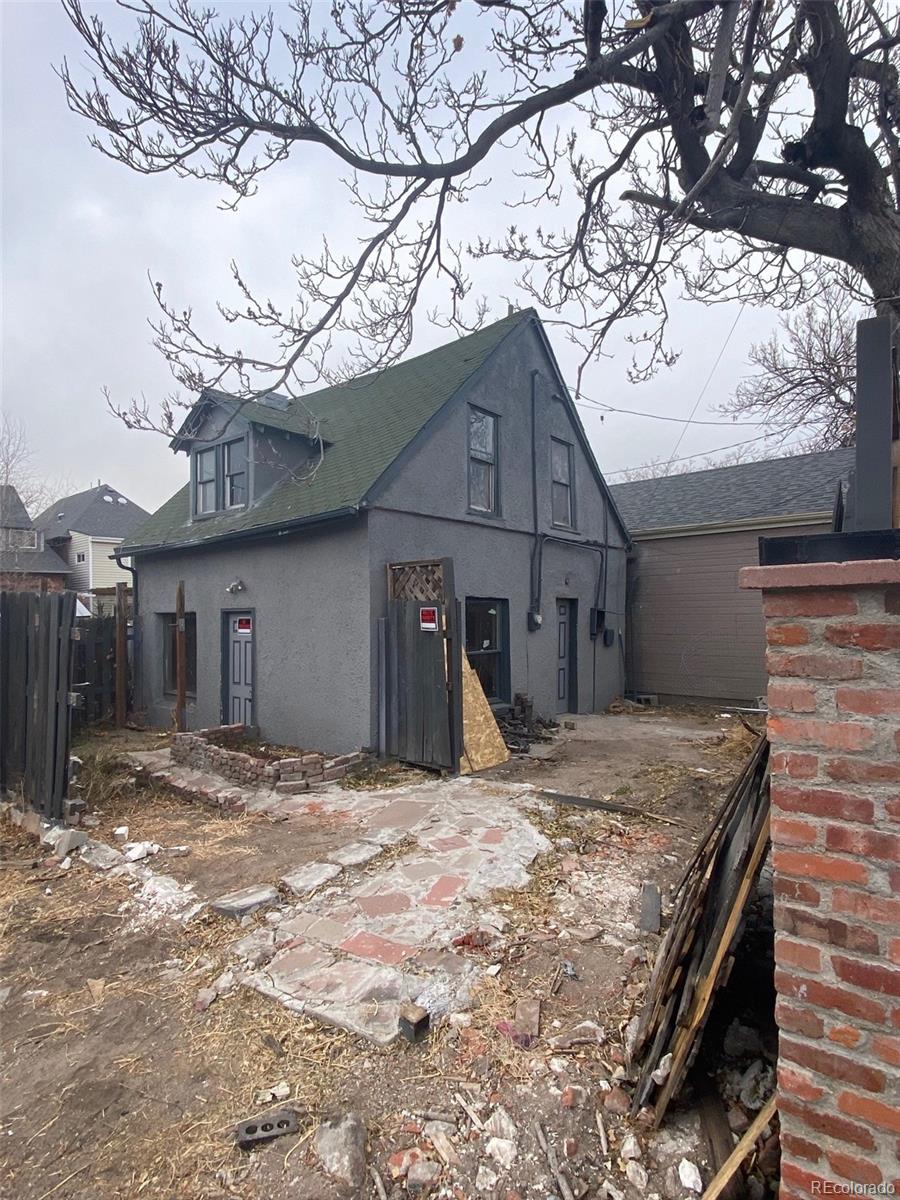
587,402
699,454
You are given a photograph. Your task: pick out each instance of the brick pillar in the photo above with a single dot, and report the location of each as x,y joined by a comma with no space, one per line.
833,633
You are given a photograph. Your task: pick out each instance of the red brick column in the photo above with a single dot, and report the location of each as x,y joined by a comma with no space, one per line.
833,631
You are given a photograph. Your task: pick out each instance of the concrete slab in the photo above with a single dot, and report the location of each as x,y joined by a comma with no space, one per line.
307,879
247,900
354,854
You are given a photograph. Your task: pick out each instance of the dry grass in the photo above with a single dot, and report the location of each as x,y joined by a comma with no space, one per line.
377,776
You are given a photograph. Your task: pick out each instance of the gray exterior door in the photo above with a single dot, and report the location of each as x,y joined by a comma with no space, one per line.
240,639
565,652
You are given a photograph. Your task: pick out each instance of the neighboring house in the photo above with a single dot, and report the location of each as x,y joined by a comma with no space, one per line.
86,530
472,451
693,633
26,564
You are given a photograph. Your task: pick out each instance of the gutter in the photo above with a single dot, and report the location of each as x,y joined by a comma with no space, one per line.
243,535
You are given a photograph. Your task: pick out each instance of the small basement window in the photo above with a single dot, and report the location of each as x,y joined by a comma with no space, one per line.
487,645
169,652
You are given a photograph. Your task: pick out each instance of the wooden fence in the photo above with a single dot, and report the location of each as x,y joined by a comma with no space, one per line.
35,653
94,669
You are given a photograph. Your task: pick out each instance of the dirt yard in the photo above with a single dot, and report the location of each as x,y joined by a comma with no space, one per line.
119,1081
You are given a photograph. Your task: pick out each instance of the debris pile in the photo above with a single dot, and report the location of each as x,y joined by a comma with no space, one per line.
521,728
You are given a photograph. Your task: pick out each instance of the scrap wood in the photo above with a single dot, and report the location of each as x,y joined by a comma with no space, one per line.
630,810
717,1131
695,957
728,1169
483,744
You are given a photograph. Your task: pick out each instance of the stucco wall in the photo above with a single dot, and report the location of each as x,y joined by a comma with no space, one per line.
693,631
310,594
420,511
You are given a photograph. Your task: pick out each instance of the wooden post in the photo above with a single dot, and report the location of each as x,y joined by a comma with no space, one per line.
180,660
121,654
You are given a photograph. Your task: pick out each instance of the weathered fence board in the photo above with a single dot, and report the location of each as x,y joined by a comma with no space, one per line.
35,638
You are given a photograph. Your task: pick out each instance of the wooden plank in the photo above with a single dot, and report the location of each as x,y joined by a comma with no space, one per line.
121,654
483,742
719,1140
724,1175
180,660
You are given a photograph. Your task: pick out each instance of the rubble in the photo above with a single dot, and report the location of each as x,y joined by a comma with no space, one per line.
340,1144
247,900
690,1176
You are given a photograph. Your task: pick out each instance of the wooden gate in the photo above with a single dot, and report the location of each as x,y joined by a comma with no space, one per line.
422,688
35,651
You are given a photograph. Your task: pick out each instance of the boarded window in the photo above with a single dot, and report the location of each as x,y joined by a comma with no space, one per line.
169,652
482,461
561,483
487,644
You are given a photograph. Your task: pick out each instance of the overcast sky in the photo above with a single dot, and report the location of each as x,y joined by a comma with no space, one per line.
81,233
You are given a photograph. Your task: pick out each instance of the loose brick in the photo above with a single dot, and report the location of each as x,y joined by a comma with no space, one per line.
786,635
828,1123
868,975
795,766
798,1019
811,865
798,1083
824,602
829,930
822,802
885,1116
881,910
793,833
833,735
887,1048
814,666
836,1066
800,1147
864,637
869,702
859,1170
853,770
789,953
828,996
796,889
845,1035
865,842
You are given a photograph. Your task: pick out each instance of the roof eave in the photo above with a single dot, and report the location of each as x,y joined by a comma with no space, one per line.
241,535
740,526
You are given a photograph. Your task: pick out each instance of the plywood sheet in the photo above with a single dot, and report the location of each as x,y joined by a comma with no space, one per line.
482,740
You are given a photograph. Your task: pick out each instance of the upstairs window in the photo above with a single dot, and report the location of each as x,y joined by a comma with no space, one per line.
235,473
483,492
561,483
220,477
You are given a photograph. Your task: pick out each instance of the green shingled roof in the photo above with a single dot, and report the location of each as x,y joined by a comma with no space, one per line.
366,424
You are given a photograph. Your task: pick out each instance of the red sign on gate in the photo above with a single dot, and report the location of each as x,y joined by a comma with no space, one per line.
428,619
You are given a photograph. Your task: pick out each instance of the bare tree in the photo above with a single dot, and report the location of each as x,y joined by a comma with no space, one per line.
36,491
662,468
807,374
717,147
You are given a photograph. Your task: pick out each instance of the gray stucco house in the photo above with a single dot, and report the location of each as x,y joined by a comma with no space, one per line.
293,513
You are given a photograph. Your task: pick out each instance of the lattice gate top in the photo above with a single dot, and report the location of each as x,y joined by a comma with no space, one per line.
423,580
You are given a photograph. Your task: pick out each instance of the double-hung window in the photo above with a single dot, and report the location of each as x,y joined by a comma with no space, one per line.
563,513
220,477
207,484
483,480
487,645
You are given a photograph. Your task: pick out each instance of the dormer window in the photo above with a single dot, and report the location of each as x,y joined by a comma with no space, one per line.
220,477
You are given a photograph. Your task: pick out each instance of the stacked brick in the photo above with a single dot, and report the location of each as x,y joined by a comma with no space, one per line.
203,751
833,632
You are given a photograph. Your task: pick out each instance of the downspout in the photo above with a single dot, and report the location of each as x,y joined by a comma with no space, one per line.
136,658
535,619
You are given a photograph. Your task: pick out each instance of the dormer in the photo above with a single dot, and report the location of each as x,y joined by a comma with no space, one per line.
240,450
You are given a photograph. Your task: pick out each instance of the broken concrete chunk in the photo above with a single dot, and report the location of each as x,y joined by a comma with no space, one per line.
636,1176
307,878
278,1091
585,1033
422,1177
354,854
690,1176
121,833
661,1074
135,851
101,856
501,1124
69,840
247,900
486,1179
502,1150
630,1148
341,1149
